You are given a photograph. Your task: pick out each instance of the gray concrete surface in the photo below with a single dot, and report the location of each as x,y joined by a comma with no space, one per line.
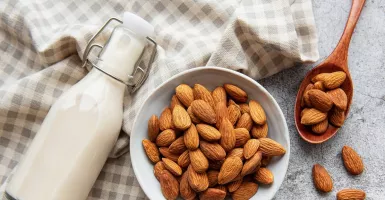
364,128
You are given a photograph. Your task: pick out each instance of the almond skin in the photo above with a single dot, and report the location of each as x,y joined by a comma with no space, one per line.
185,94
351,194
165,120
184,159
270,147
213,177
212,194
230,169
245,121
151,150
208,132
321,127
250,148
252,164
257,113
313,116
174,101
165,138
321,178
319,86
172,167
178,146
319,77
203,111
193,118
234,185
221,187
201,92
264,176
320,100
305,97
237,152
198,161
167,154
186,192
234,113
244,108
334,80
212,151
197,181
191,138
153,128
219,95
180,118
245,191
339,98
337,117
169,185
236,93
352,161
221,112
158,168
241,136
228,136
260,131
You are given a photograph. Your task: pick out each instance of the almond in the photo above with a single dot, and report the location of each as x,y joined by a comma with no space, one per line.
221,187
203,111
169,185
185,94
178,146
337,117
305,97
212,151
334,80
250,148
193,118
320,100
230,169
174,101
236,93
304,110
184,159
221,112
228,136
167,154
191,138
165,120
153,128
208,132
180,118
244,108
321,178
319,77
351,194
234,185
313,116
260,131
270,147
241,136
232,102
320,127
319,86
219,95
265,161
165,138
212,175
233,113
245,191
352,161
198,161
151,150
215,164
197,181
252,164
158,168
257,113
172,167
237,152
186,192
339,98
200,92
264,176
212,194
245,121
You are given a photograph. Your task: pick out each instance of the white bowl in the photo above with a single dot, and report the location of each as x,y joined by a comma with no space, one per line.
210,77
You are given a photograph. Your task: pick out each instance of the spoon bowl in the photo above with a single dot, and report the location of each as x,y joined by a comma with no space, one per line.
337,61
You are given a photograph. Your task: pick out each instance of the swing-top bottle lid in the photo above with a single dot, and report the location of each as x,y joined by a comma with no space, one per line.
137,25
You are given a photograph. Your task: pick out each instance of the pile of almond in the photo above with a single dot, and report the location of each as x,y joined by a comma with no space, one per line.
324,102
211,144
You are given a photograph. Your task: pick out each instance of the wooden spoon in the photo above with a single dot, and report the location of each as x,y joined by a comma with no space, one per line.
337,61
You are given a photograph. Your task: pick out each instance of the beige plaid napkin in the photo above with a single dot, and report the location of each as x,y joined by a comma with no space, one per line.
41,41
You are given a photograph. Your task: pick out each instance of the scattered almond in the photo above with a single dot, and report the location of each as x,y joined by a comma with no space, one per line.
198,161
230,169
236,93
219,95
270,147
257,113
264,176
185,94
321,178
203,111
169,185
165,138
241,136
352,161
245,191
212,151
208,132
151,150
351,194
153,128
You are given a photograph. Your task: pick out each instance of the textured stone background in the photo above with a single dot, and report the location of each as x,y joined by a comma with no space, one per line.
364,128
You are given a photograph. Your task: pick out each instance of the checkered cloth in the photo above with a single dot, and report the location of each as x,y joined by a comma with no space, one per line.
42,43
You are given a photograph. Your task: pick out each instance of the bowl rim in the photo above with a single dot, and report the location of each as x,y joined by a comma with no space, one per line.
286,135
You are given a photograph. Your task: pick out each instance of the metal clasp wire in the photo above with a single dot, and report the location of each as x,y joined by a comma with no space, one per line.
133,87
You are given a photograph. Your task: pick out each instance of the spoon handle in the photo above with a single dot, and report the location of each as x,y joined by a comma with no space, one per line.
340,54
